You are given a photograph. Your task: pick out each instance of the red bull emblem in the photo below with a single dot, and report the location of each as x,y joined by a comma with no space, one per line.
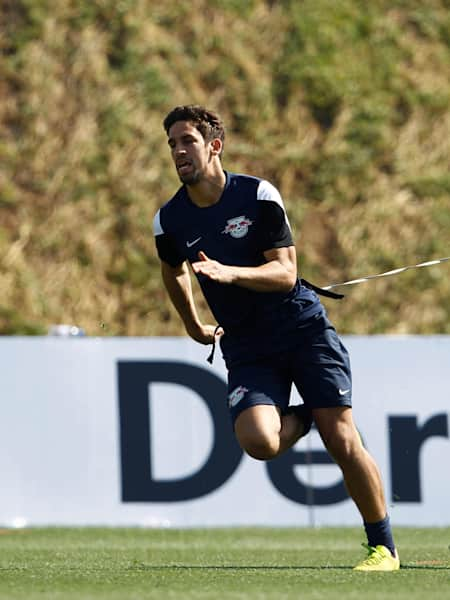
238,227
236,395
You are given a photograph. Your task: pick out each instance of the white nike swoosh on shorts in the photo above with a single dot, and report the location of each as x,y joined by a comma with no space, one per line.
343,392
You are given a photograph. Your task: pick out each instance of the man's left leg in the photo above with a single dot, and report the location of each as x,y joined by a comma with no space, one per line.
363,481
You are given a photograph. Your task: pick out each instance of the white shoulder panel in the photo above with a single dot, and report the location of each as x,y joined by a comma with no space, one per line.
157,229
267,191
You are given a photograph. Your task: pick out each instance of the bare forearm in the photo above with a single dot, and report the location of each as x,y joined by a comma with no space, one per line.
178,285
270,277
179,289
278,274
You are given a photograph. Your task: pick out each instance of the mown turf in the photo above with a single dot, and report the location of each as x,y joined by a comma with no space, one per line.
260,564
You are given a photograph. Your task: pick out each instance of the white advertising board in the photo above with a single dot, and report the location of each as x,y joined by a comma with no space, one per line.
135,431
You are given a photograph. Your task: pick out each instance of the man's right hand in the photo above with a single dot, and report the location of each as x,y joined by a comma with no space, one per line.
204,334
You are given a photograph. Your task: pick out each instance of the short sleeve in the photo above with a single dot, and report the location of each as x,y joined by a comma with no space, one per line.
165,244
274,228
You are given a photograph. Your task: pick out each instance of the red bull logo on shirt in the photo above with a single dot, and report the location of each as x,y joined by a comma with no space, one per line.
238,227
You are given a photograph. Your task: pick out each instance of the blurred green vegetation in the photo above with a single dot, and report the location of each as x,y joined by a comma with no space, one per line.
343,105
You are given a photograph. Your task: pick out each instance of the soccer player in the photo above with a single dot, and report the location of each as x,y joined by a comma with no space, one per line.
274,332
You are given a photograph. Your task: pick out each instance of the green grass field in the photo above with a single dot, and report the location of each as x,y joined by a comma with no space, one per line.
276,564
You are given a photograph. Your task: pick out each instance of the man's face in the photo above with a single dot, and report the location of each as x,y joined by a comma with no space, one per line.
190,152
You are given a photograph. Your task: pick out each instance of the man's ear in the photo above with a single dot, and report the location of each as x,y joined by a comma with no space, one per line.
216,146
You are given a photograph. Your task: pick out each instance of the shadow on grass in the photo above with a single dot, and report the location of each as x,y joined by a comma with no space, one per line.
178,567
144,567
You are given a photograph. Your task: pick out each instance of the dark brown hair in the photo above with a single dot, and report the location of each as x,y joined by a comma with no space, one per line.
206,121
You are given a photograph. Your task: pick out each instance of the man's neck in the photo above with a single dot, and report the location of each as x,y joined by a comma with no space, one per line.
208,191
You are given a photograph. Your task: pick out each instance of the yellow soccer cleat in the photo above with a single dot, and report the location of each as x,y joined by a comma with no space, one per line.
379,559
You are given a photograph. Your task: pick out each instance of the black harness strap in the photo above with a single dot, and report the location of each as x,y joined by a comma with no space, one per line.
211,356
321,291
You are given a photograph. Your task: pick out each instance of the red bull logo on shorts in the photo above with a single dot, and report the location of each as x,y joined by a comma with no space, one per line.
236,395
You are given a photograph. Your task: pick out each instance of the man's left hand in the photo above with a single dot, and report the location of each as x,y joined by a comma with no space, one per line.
213,269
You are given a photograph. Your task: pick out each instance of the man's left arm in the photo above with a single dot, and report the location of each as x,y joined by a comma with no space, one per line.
278,274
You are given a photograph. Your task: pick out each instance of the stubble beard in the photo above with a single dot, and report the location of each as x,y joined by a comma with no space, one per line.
191,178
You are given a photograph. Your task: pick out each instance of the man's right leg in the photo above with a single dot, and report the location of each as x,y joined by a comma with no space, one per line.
264,433
258,397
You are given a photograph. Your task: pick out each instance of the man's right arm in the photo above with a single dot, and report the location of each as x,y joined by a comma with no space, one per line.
177,281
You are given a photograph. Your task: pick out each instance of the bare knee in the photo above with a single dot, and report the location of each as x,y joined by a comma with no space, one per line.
343,446
258,431
261,447
341,439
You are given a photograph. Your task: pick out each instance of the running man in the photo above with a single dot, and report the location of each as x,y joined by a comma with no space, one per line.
274,332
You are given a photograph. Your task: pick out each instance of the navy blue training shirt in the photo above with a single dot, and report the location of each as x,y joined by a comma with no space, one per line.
248,219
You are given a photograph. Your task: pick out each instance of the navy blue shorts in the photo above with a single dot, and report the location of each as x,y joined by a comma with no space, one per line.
319,367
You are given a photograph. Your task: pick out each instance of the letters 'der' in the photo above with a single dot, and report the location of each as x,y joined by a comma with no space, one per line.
406,439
